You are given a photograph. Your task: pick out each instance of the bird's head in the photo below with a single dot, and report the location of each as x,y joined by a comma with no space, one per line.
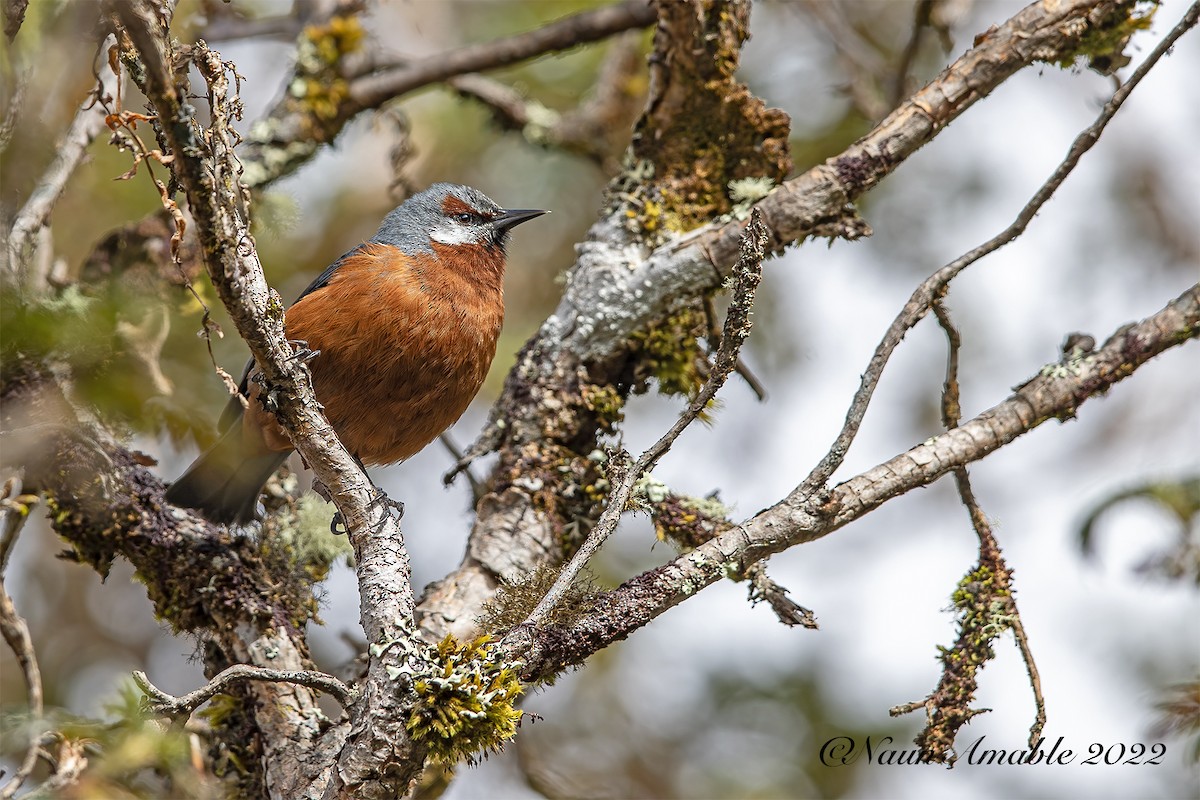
450,215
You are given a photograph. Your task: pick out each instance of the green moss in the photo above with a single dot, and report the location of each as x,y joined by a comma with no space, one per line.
1104,42
605,402
300,532
688,522
669,351
318,84
466,701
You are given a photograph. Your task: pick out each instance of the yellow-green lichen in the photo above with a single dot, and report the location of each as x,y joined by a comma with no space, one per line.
318,82
1104,42
466,701
669,351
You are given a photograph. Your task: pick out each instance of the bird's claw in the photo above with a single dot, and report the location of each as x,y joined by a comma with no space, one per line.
301,351
337,525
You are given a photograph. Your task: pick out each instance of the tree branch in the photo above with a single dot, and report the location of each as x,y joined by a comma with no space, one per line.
171,706
290,133
208,171
88,123
16,635
747,273
1056,393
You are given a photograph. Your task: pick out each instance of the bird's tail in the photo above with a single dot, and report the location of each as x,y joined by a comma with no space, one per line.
224,483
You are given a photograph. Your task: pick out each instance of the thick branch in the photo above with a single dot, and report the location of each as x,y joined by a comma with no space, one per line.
1056,393
208,172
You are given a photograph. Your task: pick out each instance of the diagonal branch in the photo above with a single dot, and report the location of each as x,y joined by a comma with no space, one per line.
208,171
587,331
16,634
1056,392
748,273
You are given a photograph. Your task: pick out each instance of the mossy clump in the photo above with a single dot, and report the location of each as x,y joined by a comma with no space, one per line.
1104,42
319,84
466,701
688,522
986,612
669,351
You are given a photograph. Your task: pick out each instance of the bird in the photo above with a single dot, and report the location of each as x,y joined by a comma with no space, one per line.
400,333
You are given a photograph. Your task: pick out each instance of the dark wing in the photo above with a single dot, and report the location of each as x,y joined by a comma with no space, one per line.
233,409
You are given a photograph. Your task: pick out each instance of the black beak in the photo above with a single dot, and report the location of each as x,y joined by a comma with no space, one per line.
509,219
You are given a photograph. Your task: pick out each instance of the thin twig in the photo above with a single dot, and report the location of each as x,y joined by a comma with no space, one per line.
990,556
14,510
390,80
789,612
922,15
16,634
88,123
921,300
171,706
477,489
714,344
747,273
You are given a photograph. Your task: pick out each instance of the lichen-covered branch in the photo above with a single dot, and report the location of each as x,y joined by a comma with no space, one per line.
204,163
1056,392
201,579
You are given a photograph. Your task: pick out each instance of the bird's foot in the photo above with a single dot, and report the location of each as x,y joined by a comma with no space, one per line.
338,525
301,350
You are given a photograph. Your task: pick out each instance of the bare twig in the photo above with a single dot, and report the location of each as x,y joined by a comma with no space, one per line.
921,300
16,634
89,121
864,65
595,129
789,612
748,273
922,17
477,488
714,344
14,510
171,706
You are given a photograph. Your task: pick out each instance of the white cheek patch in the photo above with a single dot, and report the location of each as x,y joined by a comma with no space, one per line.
452,233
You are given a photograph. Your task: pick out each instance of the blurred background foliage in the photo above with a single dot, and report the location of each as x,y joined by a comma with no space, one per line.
718,700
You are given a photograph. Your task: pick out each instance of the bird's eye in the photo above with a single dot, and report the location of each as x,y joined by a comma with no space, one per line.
465,218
